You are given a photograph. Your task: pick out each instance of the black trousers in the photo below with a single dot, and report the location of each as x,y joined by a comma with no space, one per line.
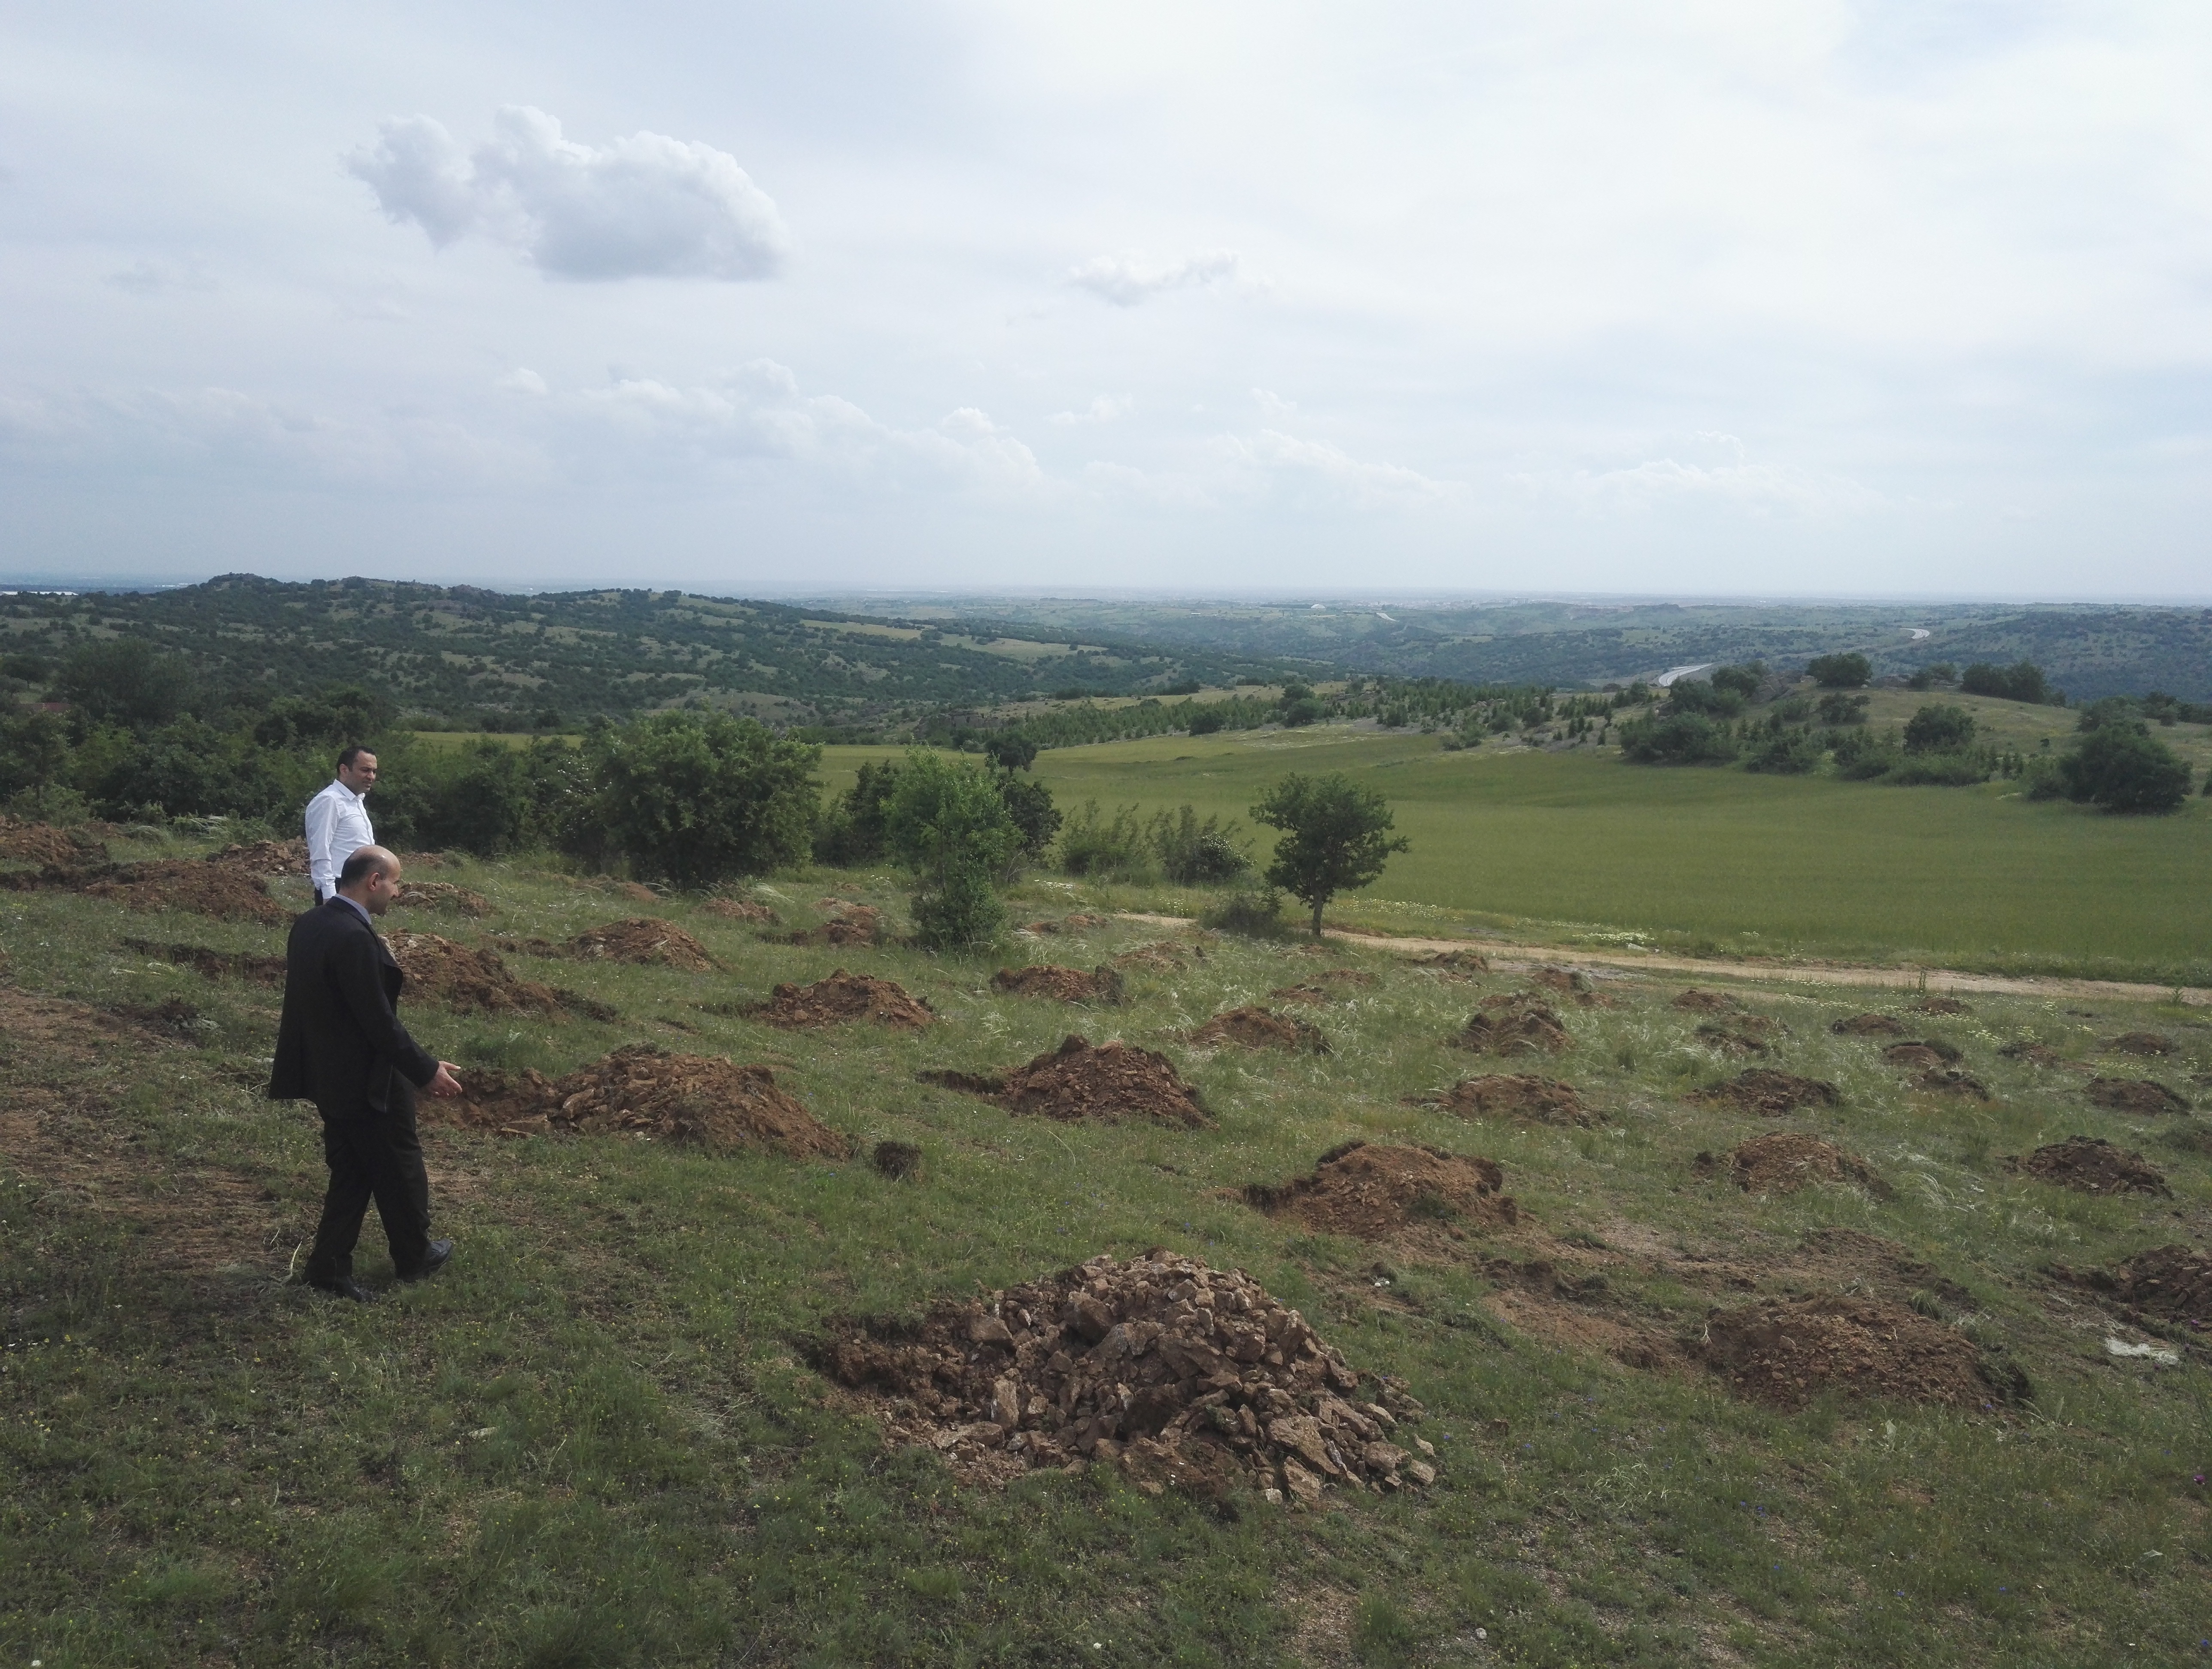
372,1156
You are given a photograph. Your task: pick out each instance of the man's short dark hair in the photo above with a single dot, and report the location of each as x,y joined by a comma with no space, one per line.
359,865
347,756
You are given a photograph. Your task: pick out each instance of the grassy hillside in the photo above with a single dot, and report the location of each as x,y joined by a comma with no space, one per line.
595,1439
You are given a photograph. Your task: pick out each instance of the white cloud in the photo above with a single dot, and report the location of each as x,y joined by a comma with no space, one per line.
1756,489
1127,280
1272,405
1102,409
1312,464
523,380
162,277
646,206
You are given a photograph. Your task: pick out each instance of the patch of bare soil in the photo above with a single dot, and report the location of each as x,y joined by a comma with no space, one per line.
265,857
1331,985
1078,922
1923,1056
1868,1025
1258,1028
1163,955
1846,1260
442,896
900,1161
1950,1080
1076,1082
2138,1043
2172,1282
1941,1005
856,924
1571,982
1522,1095
1786,1162
1462,962
2134,1095
1061,985
1372,1192
42,843
1189,1377
2092,1165
52,1031
645,940
1786,1351
1514,1024
844,996
1706,1002
467,981
214,964
1731,1039
2039,1055
1576,1308
1769,1093
741,909
703,1100
221,890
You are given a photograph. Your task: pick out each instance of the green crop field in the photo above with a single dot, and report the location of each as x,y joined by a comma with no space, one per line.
1721,858
597,1440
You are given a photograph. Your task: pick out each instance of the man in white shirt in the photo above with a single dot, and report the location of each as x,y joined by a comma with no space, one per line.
337,820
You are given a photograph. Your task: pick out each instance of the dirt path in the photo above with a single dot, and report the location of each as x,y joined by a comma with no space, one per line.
1518,958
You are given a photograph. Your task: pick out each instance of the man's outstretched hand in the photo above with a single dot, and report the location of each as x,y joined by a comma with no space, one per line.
445,1084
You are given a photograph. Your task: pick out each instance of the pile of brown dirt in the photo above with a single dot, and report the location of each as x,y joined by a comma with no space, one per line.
645,940
2173,1283
221,890
1076,1082
702,1100
1950,1080
1786,1162
2139,1043
1327,987
1786,1351
1514,1025
1188,1377
442,896
843,996
741,909
900,1161
1164,955
1707,1002
1769,1093
265,857
467,981
1516,1096
2134,1095
1920,1056
2039,1055
1941,1005
1372,1192
42,843
1571,982
1069,923
1258,1028
1731,1039
215,964
1464,961
2091,1165
856,924
1061,985
1868,1025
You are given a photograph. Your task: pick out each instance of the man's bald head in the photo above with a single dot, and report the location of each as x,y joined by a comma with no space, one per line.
369,878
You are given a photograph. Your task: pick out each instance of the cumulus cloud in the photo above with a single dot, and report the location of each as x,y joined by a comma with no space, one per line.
1318,464
646,206
1125,281
1102,409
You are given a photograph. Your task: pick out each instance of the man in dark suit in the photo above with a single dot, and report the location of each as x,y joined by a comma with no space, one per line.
341,1046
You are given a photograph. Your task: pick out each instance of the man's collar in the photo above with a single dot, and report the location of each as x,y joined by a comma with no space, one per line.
356,906
340,782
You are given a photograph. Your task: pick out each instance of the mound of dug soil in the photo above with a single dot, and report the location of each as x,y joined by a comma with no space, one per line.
1732,1040
1868,1025
1786,1162
1922,1055
843,996
645,940
1464,961
1514,1025
1190,1377
1517,1095
443,896
1061,985
42,843
1570,982
265,857
1769,1093
2134,1095
1950,1080
1707,1002
465,980
220,890
2091,1165
702,1100
215,964
1164,955
1372,1192
1075,1082
2039,1055
2170,1282
1070,924
741,909
1258,1028
1941,1005
2139,1043
856,924
1785,1351
1329,987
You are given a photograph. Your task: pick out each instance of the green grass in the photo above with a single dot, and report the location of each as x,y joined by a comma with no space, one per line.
592,1441
1557,844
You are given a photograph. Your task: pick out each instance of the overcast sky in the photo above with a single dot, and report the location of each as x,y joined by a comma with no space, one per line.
1724,296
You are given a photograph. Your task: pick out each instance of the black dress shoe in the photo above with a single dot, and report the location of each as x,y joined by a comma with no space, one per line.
442,1253
346,1287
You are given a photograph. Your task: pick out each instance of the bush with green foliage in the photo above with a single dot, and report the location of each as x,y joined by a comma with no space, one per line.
1685,695
1250,914
1204,720
1682,739
1939,730
1849,670
851,830
948,823
1029,802
1107,848
1862,756
1838,709
2023,681
2124,768
1193,851
1744,680
124,681
697,797
1306,710
1785,753
1335,837
1935,673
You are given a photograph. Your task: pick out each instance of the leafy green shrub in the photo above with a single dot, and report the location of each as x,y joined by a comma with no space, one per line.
1195,852
1183,687
1114,849
697,797
1682,739
1688,696
2022,681
1306,710
1838,709
1939,730
478,799
948,823
1335,837
1936,672
1791,753
1250,914
1843,671
1952,770
1744,680
1204,720
851,831
1861,755
126,681
34,751
1035,819
2124,768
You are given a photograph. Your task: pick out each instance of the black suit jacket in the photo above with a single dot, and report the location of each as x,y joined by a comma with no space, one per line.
340,1043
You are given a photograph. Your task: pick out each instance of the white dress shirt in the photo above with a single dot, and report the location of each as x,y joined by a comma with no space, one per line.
338,826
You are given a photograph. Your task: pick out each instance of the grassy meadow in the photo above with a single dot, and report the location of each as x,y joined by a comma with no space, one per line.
593,1440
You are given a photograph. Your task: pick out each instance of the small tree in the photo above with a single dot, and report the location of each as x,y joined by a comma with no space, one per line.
695,798
1939,730
1843,671
2023,681
1335,838
126,680
947,823
2124,768
1744,680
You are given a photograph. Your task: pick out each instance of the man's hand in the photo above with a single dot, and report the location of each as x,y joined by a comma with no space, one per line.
445,1084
